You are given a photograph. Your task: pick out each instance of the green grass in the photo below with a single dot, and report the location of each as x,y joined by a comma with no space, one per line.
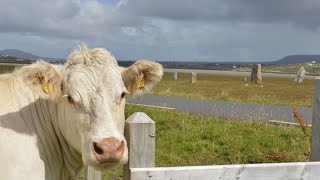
184,140
279,91
289,68
7,68
292,68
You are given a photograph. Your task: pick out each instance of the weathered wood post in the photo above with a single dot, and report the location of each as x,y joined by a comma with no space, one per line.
259,74
315,142
92,174
256,75
193,77
300,75
140,135
175,76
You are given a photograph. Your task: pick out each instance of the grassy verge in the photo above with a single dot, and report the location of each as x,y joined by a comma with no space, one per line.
183,140
279,91
7,68
289,68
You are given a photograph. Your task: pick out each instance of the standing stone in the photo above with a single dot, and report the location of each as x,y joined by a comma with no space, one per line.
256,75
193,77
300,75
175,76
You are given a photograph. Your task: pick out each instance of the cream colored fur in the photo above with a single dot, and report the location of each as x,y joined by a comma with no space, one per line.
51,114
149,71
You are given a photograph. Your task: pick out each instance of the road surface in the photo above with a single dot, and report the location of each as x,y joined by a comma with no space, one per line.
223,109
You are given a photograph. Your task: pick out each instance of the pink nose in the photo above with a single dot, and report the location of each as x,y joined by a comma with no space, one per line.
108,150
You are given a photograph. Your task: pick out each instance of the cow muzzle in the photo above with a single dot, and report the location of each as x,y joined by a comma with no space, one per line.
108,150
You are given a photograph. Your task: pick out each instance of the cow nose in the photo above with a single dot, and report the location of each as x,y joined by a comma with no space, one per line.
108,150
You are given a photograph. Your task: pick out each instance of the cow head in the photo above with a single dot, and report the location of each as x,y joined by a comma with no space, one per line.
90,91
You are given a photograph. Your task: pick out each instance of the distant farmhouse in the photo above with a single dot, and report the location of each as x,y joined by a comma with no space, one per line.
313,63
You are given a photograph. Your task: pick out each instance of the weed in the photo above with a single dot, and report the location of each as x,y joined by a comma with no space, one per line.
299,120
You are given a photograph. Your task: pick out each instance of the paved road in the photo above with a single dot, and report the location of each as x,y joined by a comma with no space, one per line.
234,73
226,109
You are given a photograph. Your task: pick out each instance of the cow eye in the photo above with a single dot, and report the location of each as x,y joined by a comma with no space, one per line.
70,100
123,95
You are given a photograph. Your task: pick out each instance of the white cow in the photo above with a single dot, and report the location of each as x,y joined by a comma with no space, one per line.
55,119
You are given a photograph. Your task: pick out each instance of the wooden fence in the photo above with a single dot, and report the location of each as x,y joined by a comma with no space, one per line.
140,134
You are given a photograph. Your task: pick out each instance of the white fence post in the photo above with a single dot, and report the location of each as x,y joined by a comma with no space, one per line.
315,143
92,174
175,76
140,135
256,75
193,77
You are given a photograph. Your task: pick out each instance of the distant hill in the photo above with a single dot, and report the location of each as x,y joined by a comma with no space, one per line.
291,59
298,59
15,60
19,54
25,55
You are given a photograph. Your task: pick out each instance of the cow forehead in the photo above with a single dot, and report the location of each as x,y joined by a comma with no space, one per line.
93,69
92,78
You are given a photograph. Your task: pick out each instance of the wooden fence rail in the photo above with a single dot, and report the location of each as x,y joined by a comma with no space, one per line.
140,134
279,171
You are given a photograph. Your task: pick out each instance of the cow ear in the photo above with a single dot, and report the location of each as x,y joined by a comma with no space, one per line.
44,79
141,77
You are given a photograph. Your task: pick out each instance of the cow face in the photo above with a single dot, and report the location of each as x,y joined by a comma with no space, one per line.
91,103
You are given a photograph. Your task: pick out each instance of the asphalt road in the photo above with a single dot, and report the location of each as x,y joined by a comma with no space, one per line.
223,109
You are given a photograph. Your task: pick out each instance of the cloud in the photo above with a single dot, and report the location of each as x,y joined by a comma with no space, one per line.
302,13
62,18
203,30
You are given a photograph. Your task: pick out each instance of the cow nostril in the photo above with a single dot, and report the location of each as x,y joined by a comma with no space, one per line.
97,149
121,147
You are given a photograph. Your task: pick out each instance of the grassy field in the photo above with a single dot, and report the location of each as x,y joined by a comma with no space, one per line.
279,91
7,68
289,68
183,140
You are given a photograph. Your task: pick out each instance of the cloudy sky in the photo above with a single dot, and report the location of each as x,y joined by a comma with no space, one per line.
168,30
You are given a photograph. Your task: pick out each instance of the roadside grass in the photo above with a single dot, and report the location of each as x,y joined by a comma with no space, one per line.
278,91
183,139
7,68
293,68
289,68
274,90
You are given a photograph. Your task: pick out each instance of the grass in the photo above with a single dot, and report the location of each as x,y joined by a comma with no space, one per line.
184,140
289,68
275,90
278,91
7,68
